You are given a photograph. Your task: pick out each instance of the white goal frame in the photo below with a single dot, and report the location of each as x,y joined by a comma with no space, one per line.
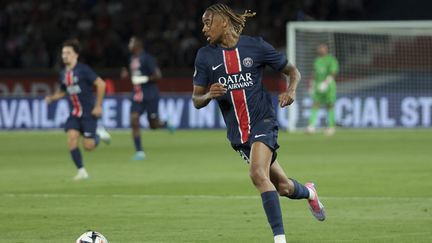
402,28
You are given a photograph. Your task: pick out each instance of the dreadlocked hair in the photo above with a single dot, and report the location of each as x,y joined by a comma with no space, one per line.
238,20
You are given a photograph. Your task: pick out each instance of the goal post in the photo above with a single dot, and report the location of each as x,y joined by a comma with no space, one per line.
385,74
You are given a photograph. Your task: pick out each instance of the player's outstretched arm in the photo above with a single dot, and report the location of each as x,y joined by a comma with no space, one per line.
57,95
100,93
287,98
201,97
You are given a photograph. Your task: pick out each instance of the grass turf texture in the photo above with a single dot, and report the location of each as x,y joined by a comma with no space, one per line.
193,187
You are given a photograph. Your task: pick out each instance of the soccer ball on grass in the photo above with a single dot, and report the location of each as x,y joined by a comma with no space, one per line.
92,237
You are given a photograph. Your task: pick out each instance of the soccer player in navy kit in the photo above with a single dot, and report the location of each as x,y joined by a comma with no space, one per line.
143,73
77,81
229,70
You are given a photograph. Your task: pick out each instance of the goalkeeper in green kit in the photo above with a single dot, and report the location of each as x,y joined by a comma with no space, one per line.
323,88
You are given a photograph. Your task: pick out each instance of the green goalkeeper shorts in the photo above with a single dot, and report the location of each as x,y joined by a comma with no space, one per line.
327,97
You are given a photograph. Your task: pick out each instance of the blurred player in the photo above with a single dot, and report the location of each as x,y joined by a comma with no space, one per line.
323,88
143,73
77,81
229,70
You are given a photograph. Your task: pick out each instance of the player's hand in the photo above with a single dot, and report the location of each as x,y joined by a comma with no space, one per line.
323,86
286,98
97,111
124,74
48,99
216,90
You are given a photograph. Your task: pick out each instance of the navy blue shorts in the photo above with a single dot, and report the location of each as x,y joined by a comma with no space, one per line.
85,125
149,105
266,132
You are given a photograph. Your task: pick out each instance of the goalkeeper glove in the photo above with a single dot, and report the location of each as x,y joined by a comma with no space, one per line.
323,86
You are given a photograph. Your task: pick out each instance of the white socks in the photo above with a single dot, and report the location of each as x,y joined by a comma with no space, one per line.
279,239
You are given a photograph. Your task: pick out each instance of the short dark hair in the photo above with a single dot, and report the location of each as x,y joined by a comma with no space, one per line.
74,43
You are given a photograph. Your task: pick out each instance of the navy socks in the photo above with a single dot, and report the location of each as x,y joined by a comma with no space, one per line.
270,200
77,158
272,209
97,140
137,142
300,191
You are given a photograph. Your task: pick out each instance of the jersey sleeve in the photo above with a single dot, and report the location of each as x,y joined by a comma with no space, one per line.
271,57
200,76
334,65
61,83
89,75
149,65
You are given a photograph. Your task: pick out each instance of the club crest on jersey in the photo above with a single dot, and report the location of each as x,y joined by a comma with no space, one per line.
247,62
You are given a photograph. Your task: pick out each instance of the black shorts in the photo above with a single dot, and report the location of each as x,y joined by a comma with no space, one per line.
266,132
86,125
149,105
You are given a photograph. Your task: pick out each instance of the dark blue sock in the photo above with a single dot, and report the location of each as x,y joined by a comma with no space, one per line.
137,142
300,191
77,158
272,209
97,140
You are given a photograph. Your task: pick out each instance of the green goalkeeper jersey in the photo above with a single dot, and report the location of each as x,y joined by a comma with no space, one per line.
323,67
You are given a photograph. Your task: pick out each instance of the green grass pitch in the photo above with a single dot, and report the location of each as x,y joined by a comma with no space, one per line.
376,186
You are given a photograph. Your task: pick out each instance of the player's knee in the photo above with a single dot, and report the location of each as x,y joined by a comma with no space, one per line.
73,142
258,176
135,121
89,146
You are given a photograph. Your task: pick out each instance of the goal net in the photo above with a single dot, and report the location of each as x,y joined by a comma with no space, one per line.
385,72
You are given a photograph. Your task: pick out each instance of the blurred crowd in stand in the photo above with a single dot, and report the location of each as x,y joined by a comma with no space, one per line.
32,31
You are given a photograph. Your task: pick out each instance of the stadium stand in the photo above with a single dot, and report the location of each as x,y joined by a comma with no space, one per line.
31,31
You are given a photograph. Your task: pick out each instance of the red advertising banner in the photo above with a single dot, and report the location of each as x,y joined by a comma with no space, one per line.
18,86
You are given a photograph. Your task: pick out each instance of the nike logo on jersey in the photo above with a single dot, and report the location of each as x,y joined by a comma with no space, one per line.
216,67
260,135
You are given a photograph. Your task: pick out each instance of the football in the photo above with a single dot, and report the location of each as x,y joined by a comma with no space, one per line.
92,237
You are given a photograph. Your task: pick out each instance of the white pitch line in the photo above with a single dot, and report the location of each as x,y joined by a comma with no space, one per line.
230,197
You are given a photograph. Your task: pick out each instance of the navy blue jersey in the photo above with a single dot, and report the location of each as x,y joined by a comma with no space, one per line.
143,65
78,84
240,70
